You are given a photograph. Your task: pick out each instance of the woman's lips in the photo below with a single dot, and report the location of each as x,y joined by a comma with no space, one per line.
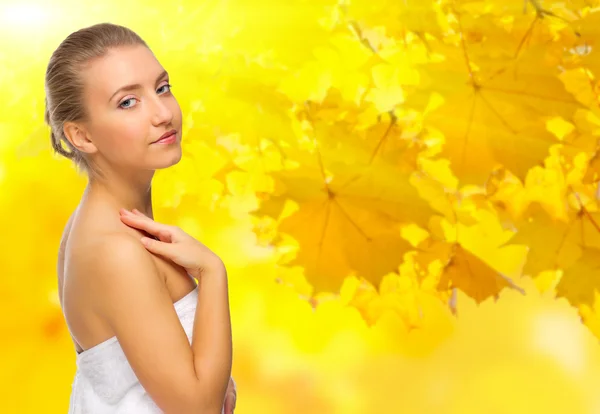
169,139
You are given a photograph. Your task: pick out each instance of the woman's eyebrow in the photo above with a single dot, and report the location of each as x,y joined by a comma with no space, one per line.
136,85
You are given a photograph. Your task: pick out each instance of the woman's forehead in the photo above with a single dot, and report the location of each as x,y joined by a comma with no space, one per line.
120,67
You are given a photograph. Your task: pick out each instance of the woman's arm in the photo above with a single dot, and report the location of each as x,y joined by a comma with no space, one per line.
131,297
211,339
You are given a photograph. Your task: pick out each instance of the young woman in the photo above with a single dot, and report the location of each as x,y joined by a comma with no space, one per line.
146,304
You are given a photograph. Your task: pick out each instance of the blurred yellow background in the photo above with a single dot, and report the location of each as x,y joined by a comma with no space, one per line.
405,194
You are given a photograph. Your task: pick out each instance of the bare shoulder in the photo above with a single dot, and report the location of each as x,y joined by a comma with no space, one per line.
101,256
96,239
114,246
97,257
116,263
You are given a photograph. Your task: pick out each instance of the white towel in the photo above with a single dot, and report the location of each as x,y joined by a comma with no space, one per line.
104,381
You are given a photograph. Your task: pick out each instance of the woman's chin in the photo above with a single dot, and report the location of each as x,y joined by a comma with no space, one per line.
167,162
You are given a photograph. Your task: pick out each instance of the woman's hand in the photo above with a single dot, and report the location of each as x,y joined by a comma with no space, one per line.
174,244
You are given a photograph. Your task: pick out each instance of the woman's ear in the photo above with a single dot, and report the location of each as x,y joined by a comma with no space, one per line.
79,137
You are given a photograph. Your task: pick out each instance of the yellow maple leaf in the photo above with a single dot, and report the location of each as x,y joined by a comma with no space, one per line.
355,215
581,281
545,238
472,275
494,111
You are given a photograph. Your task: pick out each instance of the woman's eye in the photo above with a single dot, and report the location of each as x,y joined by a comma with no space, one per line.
165,85
125,101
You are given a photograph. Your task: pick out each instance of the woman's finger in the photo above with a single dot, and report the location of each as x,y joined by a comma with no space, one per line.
147,224
135,212
158,247
230,397
229,405
165,236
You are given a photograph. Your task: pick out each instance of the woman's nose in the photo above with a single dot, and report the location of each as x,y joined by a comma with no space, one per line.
161,113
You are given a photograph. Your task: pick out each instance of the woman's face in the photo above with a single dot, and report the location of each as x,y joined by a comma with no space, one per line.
130,106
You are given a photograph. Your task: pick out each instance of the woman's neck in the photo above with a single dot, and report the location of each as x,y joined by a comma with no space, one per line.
121,193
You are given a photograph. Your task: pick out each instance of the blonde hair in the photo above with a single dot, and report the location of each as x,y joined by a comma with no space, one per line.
64,85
